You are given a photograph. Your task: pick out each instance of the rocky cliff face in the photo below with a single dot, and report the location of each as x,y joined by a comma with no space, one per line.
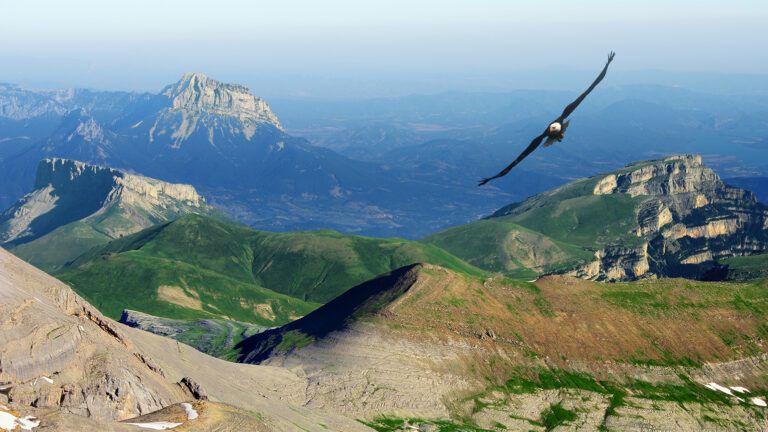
688,219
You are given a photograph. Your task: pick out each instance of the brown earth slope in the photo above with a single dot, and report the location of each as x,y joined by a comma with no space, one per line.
426,342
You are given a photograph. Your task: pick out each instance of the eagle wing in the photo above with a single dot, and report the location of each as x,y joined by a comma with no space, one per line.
528,150
572,106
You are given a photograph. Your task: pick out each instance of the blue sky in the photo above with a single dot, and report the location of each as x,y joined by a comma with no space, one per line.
286,44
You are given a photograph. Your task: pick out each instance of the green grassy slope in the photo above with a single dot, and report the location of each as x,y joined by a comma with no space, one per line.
216,269
55,249
553,231
60,246
135,280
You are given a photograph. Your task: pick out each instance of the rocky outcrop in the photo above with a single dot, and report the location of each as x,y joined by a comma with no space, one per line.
687,219
617,263
196,93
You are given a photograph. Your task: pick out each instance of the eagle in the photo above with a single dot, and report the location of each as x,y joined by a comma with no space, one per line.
555,132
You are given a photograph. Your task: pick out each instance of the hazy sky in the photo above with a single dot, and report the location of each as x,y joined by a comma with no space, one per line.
292,47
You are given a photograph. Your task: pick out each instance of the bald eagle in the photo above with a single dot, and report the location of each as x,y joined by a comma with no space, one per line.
555,132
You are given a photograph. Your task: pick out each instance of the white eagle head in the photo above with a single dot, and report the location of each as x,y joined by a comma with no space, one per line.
555,128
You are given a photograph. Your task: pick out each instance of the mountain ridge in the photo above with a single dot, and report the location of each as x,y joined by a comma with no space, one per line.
497,354
103,203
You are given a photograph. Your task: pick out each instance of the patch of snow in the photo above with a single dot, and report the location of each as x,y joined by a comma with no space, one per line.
28,423
759,402
739,389
9,422
718,387
191,412
156,425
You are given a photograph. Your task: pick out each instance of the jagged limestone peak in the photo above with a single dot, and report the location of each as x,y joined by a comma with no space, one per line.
196,92
90,131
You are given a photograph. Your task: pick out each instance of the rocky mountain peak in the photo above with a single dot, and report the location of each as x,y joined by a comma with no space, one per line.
90,131
196,93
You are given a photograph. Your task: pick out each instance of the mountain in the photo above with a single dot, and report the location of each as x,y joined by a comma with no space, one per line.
230,146
75,206
668,217
427,347
199,267
67,367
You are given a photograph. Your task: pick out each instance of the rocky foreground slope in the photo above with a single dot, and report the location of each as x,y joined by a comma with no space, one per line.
475,354
669,217
75,206
65,367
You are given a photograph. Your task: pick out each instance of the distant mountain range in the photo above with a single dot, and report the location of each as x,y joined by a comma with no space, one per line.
403,166
433,135
228,144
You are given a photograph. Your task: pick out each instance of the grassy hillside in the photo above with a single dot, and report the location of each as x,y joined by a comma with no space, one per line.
559,317
199,267
549,232
60,246
55,249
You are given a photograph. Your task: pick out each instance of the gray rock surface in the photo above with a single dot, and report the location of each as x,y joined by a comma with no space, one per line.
65,363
